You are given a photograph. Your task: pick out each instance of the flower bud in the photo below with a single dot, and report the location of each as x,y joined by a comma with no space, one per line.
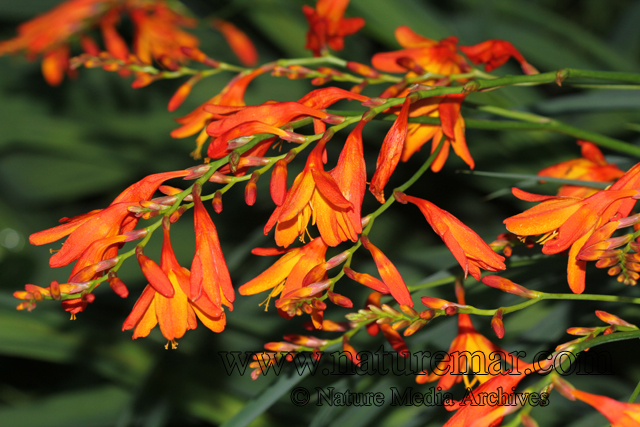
613,320
497,325
118,286
251,189
196,172
340,300
217,202
507,285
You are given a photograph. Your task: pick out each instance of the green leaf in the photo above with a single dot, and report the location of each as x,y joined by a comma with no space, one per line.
92,407
268,397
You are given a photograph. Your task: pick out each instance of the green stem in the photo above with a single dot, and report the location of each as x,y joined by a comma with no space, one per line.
635,393
546,296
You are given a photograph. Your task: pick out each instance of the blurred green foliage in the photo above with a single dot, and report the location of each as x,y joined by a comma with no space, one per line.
67,150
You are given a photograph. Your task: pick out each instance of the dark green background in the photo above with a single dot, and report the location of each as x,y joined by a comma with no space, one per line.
67,150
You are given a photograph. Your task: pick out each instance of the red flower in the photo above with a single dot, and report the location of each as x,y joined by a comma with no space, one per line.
389,274
85,229
591,167
209,273
171,308
494,53
333,199
390,153
471,252
568,222
472,344
619,414
238,41
287,274
435,57
327,25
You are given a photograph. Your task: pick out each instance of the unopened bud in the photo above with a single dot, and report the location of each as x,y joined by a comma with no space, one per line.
340,300
88,297
414,327
369,115
219,178
118,286
278,183
217,202
196,172
54,288
409,311
177,214
374,102
401,324
391,311
334,119
251,189
337,260
613,320
294,137
497,325
507,285
363,70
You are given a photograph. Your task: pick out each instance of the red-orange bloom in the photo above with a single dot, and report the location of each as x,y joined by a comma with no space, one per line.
328,27
157,33
494,53
209,273
619,414
85,229
49,33
466,348
471,414
439,57
238,41
232,95
471,252
452,128
333,199
175,314
287,274
390,152
568,222
591,167
389,274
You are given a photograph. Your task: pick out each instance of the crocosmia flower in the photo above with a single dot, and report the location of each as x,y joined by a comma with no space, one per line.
177,313
471,252
328,27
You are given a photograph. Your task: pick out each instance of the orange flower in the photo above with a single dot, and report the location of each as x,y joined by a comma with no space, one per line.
50,32
232,95
390,152
435,57
452,128
569,222
467,346
471,252
287,275
209,273
333,199
494,53
619,414
238,41
470,414
389,274
591,167
327,25
85,229
176,313
157,34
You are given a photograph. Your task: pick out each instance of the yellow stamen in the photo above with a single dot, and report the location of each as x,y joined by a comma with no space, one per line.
174,345
73,316
542,240
275,292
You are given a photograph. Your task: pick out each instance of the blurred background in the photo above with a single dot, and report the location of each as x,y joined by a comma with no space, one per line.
67,150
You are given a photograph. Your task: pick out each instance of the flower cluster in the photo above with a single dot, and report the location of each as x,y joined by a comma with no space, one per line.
422,89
